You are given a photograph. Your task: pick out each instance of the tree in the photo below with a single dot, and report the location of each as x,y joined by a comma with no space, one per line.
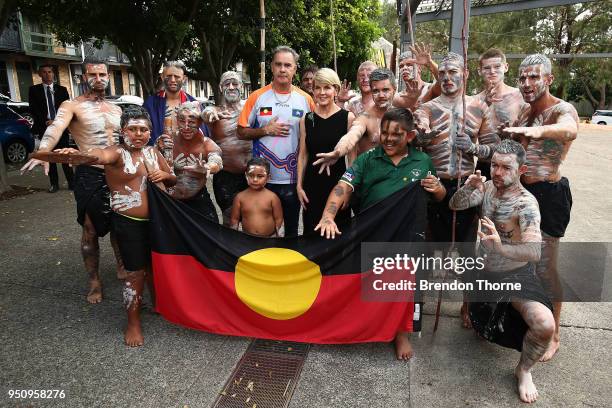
148,32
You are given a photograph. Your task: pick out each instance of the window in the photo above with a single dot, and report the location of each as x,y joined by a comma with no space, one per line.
118,82
134,84
24,79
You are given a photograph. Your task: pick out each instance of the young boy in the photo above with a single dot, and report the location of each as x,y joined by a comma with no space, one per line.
257,208
127,167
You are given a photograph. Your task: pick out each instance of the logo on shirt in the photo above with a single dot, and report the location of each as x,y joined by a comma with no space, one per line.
416,173
348,176
265,111
297,113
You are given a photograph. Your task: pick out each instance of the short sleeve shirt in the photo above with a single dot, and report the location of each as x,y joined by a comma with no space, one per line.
281,152
375,177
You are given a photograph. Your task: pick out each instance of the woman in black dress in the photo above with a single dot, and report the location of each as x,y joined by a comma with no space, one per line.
320,130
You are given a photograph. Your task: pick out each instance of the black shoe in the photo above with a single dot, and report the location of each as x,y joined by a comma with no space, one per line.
53,189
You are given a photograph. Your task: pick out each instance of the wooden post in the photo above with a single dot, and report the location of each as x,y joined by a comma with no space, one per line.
262,43
331,9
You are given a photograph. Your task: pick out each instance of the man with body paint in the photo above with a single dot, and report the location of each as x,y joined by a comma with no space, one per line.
439,123
271,119
510,243
128,166
417,91
353,102
365,131
93,123
547,126
222,121
162,105
194,158
505,102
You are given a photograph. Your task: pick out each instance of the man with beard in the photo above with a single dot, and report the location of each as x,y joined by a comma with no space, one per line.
439,123
307,79
354,103
417,91
505,102
365,131
222,121
510,241
161,106
547,126
94,123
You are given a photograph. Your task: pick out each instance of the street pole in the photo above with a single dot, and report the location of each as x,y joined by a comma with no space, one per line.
331,8
262,43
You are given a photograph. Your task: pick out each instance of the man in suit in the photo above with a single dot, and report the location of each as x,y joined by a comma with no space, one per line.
45,100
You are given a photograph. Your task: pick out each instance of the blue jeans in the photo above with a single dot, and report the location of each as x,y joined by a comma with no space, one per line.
291,206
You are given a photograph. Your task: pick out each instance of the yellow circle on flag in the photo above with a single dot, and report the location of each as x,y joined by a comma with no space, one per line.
278,283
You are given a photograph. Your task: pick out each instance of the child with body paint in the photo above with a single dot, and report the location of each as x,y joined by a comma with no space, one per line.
128,166
257,208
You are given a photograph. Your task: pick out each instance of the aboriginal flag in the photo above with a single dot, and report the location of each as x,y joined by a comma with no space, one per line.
307,289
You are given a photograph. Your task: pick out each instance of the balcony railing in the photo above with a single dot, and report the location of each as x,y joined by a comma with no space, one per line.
45,45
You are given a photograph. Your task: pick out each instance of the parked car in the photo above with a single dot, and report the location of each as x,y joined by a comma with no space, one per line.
602,117
15,135
20,108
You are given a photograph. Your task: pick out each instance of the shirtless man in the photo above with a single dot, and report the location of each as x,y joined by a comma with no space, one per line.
93,123
222,121
365,131
547,126
352,102
258,209
505,102
510,240
194,158
417,91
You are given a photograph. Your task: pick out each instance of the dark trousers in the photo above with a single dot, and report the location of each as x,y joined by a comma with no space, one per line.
291,206
53,174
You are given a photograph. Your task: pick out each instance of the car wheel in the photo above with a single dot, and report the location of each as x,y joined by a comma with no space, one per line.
601,123
28,116
16,152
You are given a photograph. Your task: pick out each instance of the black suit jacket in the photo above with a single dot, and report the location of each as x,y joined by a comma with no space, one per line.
38,107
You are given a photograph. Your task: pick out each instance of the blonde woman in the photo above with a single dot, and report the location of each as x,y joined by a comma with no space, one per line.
320,130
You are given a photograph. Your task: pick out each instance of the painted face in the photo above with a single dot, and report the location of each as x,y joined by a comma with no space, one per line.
188,124
394,139
382,93
324,94
257,177
283,68
231,90
492,70
533,82
407,71
173,78
504,170
96,77
363,78
137,133
451,78
46,74
307,83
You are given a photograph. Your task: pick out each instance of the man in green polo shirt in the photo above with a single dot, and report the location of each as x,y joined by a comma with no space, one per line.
380,172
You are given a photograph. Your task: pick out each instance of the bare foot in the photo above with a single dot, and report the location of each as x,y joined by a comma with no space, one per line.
526,388
95,291
465,316
403,348
552,349
121,273
133,335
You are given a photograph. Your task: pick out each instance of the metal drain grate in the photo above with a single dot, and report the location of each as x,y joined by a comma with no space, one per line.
265,376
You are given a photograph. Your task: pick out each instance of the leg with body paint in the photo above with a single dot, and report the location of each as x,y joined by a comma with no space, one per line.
132,298
548,273
403,348
121,273
90,250
541,325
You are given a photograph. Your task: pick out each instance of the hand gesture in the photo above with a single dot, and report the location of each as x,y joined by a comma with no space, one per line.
302,197
424,137
492,95
533,132
421,53
431,184
164,142
464,143
328,228
158,176
326,160
66,150
344,94
210,115
33,163
490,237
476,181
274,128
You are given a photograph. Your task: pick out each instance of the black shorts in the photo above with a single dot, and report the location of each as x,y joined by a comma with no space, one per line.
440,218
499,322
555,201
92,198
202,203
226,185
133,241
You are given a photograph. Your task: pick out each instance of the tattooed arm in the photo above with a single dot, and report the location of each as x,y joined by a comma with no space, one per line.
564,130
338,199
344,145
470,195
528,250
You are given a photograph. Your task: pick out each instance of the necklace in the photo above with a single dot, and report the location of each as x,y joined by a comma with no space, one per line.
279,100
